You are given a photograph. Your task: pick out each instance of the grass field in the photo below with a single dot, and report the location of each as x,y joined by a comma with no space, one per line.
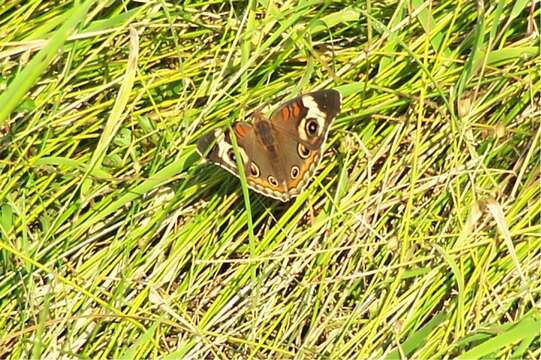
419,236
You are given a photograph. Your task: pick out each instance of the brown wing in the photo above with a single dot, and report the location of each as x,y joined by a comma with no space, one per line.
279,156
259,163
217,147
300,128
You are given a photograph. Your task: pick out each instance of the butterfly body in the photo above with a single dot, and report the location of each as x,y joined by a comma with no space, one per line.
280,155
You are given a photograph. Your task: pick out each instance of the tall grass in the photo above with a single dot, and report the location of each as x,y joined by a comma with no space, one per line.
417,238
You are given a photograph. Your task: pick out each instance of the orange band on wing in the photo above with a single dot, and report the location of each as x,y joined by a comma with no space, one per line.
285,113
296,110
313,159
240,130
253,180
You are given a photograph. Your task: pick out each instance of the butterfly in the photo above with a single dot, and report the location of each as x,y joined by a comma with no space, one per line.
280,155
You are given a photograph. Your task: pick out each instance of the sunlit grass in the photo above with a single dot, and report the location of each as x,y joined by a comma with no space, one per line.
418,237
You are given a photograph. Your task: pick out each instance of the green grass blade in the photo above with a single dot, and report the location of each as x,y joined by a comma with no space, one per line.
18,88
522,331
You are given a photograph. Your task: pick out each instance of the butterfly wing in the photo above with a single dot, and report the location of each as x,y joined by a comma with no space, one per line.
300,128
281,155
260,162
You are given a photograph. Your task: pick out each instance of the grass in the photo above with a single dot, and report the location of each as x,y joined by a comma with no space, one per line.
417,238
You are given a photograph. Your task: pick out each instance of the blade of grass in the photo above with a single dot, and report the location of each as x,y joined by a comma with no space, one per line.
18,88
